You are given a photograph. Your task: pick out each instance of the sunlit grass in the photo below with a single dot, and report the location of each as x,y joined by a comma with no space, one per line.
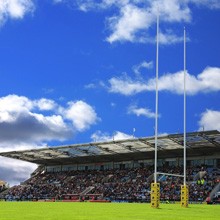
96,211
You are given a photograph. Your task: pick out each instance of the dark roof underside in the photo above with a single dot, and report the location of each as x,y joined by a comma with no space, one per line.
198,144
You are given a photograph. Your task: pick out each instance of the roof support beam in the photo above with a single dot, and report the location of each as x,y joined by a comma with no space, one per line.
177,141
211,140
130,148
83,151
70,155
151,146
105,149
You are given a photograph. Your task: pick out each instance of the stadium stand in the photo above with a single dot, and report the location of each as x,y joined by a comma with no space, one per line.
127,185
121,172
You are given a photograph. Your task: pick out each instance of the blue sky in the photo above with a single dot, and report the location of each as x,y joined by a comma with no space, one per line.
75,70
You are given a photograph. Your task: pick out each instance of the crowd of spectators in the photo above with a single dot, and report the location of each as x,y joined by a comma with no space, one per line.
131,184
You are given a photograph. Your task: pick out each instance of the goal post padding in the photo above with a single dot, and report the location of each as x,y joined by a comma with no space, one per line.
155,195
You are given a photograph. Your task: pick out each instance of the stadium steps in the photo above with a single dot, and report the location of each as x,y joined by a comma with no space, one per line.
69,178
199,175
162,178
40,168
26,181
151,178
87,190
35,173
213,192
105,179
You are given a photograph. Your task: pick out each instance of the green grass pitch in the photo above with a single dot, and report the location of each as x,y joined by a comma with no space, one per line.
96,211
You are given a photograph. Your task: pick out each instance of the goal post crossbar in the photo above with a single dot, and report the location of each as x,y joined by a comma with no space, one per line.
169,174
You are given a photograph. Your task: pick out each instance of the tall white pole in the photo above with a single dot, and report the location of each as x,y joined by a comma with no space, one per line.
184,106
155,163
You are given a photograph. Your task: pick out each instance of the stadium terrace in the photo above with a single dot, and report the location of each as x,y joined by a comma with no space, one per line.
116,171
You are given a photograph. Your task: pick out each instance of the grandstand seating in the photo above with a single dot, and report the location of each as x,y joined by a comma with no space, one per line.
129,184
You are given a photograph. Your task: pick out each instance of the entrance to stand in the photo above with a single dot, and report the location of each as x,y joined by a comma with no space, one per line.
188,163
122,166
166,163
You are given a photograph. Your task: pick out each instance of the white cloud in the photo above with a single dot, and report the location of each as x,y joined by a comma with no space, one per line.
14,171
126,25
207,81
90,86
105,136
13,103
169,38
176,5
48,91
133,19
57,1
162,134
121,136
22,127
17,146
19,122
15,9
133,22
97,85
212,4
210,119
87,5
171,11
126,86
81,114
144,64
132,109
46,104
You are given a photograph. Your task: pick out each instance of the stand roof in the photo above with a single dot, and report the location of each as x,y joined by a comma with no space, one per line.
198,144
